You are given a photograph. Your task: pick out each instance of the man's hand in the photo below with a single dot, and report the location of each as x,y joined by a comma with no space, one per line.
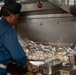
35,68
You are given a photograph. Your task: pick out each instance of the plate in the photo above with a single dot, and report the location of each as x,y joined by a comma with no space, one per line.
37,63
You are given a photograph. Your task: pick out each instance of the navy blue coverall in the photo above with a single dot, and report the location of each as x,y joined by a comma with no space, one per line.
10,47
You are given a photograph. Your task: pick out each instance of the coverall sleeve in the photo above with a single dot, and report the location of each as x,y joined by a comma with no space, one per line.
10,42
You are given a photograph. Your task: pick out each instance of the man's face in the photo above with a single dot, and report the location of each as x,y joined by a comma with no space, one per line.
14,19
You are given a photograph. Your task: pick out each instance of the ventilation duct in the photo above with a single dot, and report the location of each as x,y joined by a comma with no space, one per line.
67,5
48,7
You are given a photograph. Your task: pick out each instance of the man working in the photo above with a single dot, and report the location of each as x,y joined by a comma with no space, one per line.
10,47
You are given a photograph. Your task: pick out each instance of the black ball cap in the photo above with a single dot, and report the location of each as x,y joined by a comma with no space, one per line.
13,6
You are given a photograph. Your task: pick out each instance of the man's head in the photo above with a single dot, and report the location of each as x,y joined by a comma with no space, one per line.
10,11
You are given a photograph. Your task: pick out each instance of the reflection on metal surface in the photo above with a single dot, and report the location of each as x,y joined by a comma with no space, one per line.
54,29
34,7
51,68
67,5
49,16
